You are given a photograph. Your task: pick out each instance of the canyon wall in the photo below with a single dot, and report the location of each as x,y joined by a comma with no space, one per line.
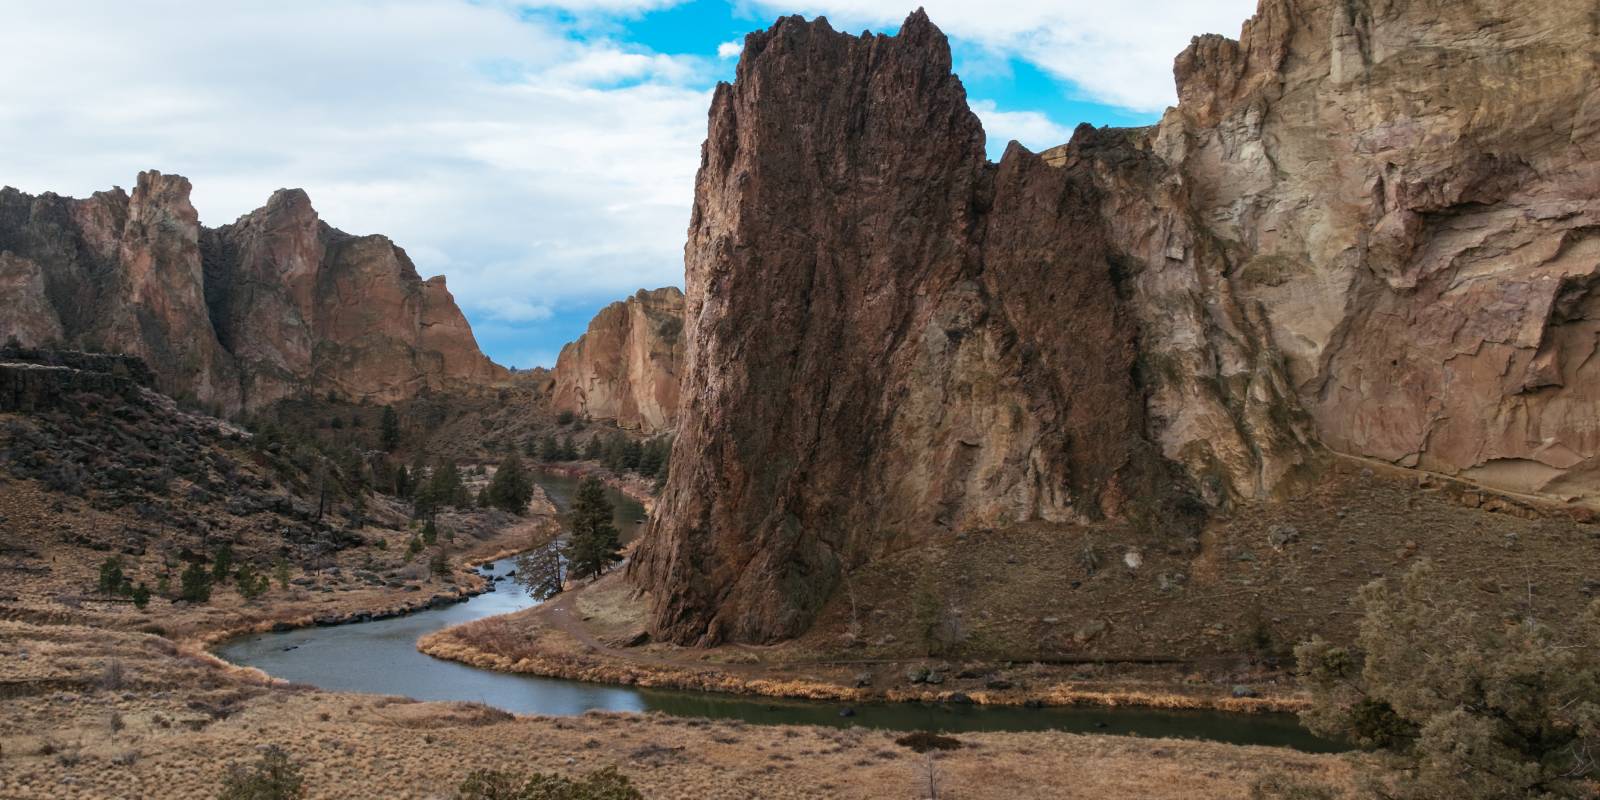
1366,225
627,365
235,317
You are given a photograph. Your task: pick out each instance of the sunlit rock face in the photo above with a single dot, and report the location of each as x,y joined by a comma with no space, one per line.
626,367
1368,226
235,317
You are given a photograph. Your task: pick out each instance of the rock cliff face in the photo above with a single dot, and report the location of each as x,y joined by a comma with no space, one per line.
626,367
1412,192
237,317
1369,225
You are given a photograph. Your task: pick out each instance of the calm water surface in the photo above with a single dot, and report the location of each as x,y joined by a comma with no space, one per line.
381,657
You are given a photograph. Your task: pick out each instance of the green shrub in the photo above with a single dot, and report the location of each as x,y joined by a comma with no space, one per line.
604,784
194,584
274,777
1458,704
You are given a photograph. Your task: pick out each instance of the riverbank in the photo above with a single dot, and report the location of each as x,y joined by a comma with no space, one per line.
163,723
592,633
640,490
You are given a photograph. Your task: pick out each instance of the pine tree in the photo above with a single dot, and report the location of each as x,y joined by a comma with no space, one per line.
250,584
389,429
542,571
222,563
111,576
616,452
593,544
569,450
512,487
444,488
594,449
549,450
632,452
650,459
430,532
141,595
195,584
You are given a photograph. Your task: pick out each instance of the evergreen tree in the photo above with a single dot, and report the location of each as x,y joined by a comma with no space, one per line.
281,571
402,482
195,583
632,453
250,584
444,488
569,451
222,563
512,487
616,452
430,532
549,450
111,576
141,595
650,459
594,449
439,565
593,544
389,429
542,571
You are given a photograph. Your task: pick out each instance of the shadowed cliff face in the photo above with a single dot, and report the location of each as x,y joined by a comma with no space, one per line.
237,317
626,367
889,337
1366,224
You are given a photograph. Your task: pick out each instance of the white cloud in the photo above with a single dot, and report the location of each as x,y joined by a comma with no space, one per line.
1118,52
730,49
515,309
1033,129
530,166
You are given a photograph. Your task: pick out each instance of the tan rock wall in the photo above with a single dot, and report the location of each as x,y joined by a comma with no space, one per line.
627,365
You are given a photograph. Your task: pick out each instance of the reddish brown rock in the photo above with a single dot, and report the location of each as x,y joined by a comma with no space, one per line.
307,306
237,317
627,365
123,274
1368,224
889,336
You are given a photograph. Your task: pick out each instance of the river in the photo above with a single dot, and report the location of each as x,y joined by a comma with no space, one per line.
381,657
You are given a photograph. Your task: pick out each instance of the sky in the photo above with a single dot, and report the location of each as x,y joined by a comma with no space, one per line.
540,155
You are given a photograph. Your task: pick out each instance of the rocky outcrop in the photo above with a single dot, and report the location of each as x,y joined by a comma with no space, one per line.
626,367
1412,193
123,274
237,317
1368,225
302,304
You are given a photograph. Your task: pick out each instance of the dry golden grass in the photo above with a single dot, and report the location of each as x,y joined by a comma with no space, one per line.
181,721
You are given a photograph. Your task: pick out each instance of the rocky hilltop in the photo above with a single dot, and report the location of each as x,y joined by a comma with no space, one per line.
1367,227
627,366
236,317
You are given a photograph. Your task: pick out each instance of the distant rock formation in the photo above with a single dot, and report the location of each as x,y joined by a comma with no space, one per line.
1366,225
626,367
237,317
